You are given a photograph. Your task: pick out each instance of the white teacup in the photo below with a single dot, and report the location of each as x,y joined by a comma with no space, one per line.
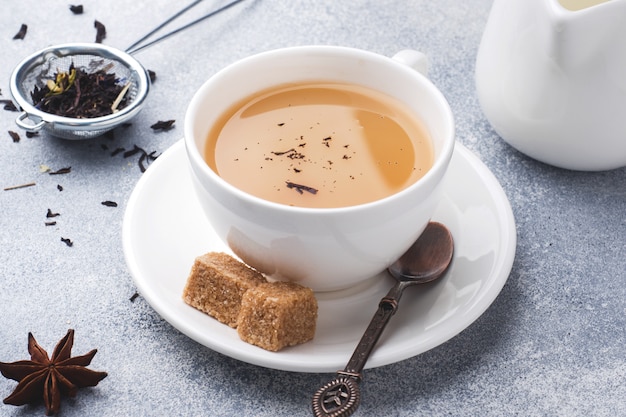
329,248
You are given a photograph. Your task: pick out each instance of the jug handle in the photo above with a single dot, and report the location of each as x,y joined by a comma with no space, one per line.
414,59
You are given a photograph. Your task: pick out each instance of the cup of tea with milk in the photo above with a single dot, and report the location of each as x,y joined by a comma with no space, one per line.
319,164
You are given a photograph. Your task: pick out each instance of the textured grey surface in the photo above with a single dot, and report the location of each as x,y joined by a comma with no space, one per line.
552,344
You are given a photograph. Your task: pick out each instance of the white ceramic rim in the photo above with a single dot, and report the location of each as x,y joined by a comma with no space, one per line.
433,174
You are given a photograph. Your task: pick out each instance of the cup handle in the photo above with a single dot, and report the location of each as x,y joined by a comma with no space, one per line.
414,59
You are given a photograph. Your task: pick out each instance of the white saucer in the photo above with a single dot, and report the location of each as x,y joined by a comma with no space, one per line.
165,229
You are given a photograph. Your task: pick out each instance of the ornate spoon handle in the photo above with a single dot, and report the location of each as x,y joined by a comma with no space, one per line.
341,396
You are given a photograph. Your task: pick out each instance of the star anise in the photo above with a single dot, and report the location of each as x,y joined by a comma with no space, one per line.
50,378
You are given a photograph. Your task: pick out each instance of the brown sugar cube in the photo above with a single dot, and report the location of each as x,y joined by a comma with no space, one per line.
217,283
277,314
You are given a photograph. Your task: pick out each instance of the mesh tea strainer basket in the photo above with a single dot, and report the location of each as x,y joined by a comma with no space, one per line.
42,66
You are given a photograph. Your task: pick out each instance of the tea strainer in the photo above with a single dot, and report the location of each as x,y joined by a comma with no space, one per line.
42,66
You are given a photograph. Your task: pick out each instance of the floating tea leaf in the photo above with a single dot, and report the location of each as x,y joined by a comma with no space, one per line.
301,188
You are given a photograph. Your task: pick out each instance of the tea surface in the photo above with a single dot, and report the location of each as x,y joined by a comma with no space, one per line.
319,145
575,5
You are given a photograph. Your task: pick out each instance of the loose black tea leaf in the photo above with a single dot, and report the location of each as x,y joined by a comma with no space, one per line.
141,162
67,241
50,223
14,135
109,203
9,105
81,94
163,125
301,188
152,76
147,158
50,214
136,149
59,187
116,151
22,32
133,297
17,187
61,171
77,9
101,31
32,134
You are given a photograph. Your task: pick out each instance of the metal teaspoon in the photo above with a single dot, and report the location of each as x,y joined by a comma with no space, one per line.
426,260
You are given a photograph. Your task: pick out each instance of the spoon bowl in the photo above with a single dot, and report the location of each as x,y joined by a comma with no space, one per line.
425,261
428,258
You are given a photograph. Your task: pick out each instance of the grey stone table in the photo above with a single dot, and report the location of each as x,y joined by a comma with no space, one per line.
552,344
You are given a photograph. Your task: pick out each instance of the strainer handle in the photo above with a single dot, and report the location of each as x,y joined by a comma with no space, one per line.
28,127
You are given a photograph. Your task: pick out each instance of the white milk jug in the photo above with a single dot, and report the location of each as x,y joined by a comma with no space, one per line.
551,80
